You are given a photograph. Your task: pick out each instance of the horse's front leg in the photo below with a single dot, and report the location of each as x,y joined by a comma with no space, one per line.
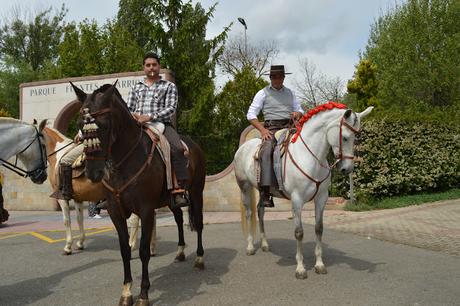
179,218
263,239
67,224
320,203
126,298
144,253
297,204
79,210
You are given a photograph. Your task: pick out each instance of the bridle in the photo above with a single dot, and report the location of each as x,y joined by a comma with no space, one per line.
338,157
37,172
91,140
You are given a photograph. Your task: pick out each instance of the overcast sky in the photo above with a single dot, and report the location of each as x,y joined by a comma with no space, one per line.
330,33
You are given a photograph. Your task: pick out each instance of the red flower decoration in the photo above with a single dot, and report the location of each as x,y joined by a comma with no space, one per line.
320,108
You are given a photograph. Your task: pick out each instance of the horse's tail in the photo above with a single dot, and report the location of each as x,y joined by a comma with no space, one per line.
251,196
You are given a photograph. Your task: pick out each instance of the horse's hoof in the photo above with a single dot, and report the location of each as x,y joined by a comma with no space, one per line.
65,252
126,301
80,247
250,252
265,248
301,275
180,257
153,254
142,302
320,270
199,264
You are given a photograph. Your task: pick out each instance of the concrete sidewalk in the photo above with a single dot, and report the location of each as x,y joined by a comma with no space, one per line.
431,226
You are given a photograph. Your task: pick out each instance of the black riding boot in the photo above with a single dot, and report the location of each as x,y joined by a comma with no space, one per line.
180,196
267,199
66,186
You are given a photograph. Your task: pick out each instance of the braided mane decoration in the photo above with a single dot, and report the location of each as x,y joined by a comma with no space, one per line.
320,108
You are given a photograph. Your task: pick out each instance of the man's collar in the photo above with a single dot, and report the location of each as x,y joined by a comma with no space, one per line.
281,89
159,81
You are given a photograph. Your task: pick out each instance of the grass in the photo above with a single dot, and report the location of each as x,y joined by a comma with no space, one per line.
403,201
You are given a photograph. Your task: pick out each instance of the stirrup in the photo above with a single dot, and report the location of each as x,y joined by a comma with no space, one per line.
179,198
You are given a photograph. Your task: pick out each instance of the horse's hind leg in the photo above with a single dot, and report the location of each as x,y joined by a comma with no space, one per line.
320,202
144,254
248,220
67,224
179,218
263,239
79,210
196,218
297,204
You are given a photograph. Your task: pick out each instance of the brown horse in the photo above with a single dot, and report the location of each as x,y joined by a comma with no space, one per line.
84,190
121,155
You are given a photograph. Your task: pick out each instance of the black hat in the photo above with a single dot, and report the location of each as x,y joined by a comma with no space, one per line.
275,69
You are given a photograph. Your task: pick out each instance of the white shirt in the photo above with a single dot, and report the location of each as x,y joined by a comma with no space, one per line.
259,99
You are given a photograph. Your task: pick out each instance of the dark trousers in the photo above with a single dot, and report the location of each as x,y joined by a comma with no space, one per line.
266,152
178,160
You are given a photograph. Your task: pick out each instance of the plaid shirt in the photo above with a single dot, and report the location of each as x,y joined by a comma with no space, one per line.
158,101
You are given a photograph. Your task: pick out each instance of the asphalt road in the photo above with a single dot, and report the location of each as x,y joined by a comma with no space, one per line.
361,271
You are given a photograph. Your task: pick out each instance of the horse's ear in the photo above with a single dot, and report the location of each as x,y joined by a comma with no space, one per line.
347,114
109,92
42,125
81,95
366,112
34,122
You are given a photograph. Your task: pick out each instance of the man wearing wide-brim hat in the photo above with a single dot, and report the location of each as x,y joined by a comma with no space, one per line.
278,105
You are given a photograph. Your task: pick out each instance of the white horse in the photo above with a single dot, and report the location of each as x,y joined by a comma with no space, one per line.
305,172
23,140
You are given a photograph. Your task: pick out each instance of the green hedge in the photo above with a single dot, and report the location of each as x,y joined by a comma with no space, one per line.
402,157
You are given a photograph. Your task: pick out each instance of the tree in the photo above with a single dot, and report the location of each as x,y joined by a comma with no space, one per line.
315,88
233,102
237,55
364,85
121,51
229,119
177,31
33,42
415,48
136,17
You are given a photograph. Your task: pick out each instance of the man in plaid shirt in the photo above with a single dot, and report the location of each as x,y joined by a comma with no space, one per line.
155,99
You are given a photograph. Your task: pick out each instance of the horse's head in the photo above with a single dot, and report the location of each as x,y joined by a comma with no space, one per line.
96,112
34,156
341,135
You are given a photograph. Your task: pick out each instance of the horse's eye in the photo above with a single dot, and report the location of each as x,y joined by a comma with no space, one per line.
345,139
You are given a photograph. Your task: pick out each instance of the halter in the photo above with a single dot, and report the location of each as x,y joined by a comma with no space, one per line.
22,172
92,144
339,157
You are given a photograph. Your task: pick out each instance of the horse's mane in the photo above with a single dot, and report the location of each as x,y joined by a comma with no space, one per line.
104,88
12,120
320,108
